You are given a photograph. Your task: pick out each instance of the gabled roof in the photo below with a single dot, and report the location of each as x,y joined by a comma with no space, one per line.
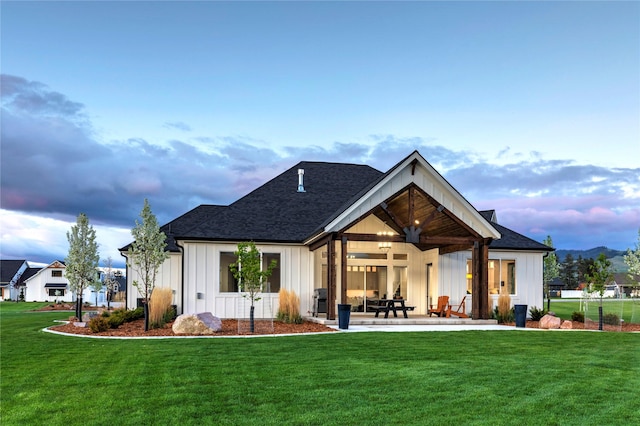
512,240
9,269
277,212
54,264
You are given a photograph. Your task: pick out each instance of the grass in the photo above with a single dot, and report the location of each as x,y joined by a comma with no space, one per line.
627,309
471,377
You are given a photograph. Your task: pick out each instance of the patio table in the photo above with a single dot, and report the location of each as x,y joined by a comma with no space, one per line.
394,305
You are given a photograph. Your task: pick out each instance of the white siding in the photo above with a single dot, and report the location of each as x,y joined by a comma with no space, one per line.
36,291
529,268
202,276
169,275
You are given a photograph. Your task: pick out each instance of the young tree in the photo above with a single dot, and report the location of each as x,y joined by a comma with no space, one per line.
146,254
248,271
601,275
82,260
632,258
96,286
110,281
551,269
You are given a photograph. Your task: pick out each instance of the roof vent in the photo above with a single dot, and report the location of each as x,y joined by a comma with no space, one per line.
300,180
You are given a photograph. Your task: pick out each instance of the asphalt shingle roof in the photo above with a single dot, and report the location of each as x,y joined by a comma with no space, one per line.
511,240
8,269
277,212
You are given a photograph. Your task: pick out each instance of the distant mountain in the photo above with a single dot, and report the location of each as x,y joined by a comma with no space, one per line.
589,254
615,256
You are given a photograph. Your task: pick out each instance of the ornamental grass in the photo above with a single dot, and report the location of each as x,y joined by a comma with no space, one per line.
504,307
159,306
289,307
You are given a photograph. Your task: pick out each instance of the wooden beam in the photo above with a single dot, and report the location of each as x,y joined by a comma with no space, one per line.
425,239
321,242
385,207
453,248
373,237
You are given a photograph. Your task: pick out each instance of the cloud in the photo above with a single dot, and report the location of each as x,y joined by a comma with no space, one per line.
178,125
53,165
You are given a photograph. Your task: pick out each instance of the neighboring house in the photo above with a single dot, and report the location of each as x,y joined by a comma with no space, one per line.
10,273
361,234
49,284
628,285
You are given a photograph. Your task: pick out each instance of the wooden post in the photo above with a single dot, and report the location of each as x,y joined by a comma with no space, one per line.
331,285
484,279
343,271
480,280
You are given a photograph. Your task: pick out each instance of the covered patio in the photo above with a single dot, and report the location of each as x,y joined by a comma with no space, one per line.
411,217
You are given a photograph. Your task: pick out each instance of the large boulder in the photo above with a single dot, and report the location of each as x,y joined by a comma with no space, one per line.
567,325
548,322
201,324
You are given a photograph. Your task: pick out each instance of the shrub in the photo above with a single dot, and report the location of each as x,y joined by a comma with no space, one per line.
510,316
116,320
611,319
106,314
577,316
537,314
98,324
160,303
504,308
289,307
135,314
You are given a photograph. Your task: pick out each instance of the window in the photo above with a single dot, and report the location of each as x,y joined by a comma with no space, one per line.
56,292
502,276
274,279
56,273
228,283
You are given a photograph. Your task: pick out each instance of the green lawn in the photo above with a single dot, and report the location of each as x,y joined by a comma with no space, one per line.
472,377
627,309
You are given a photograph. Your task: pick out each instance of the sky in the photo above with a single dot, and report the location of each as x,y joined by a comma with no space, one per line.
528,108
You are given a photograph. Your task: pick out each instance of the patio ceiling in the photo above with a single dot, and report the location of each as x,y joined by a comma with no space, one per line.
421,220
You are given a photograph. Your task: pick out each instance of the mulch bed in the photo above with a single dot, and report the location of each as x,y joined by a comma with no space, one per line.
232,327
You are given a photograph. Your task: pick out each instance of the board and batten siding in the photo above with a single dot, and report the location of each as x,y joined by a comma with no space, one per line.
169,275
529,269
202,279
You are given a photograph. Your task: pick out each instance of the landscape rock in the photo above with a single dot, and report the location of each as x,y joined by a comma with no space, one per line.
549,322
201,324
567,325
87,316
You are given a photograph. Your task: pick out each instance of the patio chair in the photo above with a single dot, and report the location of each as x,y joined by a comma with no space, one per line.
441,309
460,310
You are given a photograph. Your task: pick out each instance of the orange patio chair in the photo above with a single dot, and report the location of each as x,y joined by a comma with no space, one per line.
460,310
441,309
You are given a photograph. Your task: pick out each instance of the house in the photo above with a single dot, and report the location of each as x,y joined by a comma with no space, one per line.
360,234
629,285
10,273
49,284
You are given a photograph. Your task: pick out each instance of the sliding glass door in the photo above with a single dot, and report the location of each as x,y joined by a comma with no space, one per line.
366,285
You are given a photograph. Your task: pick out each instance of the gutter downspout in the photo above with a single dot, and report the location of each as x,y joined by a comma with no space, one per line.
126,274
181,248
